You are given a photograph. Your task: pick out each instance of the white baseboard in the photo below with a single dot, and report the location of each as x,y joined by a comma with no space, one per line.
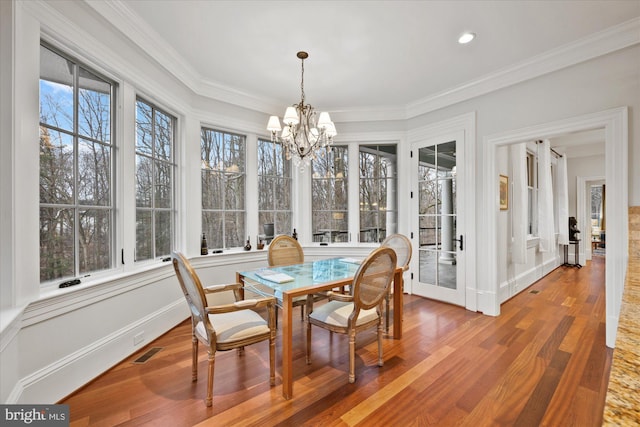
59,379
517,284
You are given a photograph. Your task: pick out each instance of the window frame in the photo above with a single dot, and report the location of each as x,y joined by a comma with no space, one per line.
337,214
77,137
380,232
241,173
352,189
287,174
532,195
172,164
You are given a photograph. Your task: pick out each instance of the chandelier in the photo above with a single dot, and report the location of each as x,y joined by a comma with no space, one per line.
303,132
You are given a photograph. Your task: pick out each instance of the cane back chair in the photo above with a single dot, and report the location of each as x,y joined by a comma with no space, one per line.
285,250
223,327
361,308
402,247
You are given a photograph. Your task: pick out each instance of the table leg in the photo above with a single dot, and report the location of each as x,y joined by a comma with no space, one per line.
240,279
398,305
287,354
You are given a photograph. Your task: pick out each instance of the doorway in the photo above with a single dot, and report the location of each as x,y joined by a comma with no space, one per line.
440,247
616,124
442,160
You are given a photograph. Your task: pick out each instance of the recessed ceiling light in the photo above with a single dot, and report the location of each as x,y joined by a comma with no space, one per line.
466,37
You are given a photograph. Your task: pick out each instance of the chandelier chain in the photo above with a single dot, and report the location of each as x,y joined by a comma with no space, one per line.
302,81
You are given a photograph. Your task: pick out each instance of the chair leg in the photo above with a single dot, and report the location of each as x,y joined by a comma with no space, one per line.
272,358
212,361
194,359
386,312
352,356
380,359
308,342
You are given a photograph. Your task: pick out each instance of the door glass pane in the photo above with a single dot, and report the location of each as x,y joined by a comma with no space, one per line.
446,271
428,267
437,215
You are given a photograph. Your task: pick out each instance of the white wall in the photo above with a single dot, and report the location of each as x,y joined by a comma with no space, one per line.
92,326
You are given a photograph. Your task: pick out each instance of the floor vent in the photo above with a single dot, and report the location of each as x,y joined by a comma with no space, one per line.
534,291
148,355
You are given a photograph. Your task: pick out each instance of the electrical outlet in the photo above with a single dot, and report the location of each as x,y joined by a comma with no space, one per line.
138,338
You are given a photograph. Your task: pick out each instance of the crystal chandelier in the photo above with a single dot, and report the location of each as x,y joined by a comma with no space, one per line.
303,133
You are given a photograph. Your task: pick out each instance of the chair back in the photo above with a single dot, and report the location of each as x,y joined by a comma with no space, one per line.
373,278
402,246
192,289
285,250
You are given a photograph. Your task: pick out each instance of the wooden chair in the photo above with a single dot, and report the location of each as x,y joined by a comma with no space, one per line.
223,327
402,247
285,250
361,309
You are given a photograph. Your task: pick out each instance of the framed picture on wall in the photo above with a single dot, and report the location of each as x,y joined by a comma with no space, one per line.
504,192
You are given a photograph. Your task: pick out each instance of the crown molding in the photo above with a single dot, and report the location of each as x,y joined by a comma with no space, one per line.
120,16
620,36
60,31
601,43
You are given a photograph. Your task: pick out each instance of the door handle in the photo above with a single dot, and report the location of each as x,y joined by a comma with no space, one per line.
461,240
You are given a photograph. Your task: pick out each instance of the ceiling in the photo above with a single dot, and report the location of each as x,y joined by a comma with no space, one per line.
363,55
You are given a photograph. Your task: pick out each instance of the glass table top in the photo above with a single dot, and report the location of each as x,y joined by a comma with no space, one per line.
302,275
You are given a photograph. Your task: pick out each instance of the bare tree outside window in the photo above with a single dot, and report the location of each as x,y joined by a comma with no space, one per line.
329,190
154,181
274,187
378,198
223,188
76,163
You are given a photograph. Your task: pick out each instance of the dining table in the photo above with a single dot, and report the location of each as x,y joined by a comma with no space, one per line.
286,283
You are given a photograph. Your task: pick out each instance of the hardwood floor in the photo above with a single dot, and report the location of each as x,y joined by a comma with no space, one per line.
543,361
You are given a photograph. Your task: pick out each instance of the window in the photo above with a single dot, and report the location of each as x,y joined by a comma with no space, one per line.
154,181
330,217
597,210
76,168
223,188
274,188
378,199
532,194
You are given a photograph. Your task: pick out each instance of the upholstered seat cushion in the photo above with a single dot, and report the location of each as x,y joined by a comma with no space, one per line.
336,313
235,326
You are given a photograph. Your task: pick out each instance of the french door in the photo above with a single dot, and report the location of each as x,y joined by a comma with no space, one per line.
437,222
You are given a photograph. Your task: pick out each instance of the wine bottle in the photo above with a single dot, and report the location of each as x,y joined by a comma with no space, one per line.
204,250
